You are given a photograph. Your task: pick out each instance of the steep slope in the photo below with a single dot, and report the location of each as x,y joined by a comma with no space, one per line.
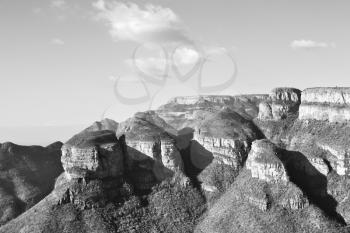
278,113
151,145
95,194
225,136
264,198
27,174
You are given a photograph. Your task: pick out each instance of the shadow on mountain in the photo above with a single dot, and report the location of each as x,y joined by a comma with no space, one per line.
311,181
194,156
145,172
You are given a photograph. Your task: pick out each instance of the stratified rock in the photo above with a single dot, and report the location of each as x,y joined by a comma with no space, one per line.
171,157
281,103
227,135
286,94
96,154
264,164
325,104
150,138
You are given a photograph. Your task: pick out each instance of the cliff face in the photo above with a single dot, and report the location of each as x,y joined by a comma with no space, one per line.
150,137
232,152
281,103
100,155
264,163
330,104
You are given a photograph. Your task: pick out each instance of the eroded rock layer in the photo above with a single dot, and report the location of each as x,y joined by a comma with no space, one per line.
264,164
281,103
326,104
96,154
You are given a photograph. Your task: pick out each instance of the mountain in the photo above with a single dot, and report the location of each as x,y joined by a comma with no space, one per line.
95,193
180,112
105,124
27,175
206,164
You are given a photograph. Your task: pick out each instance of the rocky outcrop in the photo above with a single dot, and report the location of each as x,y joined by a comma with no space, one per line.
96,154
325,144
227,135
264,164
170,155
232,152
281,103
151,146
325,104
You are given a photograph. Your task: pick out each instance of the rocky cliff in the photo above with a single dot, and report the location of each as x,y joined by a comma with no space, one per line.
152,171
96,154
281,103
149,137
264,163
326,104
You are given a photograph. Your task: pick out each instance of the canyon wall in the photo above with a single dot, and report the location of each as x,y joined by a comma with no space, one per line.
325,104
281,103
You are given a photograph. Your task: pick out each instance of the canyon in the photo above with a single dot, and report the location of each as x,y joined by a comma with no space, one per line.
247,163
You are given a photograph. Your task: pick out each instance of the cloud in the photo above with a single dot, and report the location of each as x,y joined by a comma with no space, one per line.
186,56
57,41
310,44
151,23
58,3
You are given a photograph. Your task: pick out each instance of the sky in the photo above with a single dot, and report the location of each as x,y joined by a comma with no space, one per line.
65,64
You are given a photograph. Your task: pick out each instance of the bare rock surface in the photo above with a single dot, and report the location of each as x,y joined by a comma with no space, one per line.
151,144
95,154
264,164
326,104
281,103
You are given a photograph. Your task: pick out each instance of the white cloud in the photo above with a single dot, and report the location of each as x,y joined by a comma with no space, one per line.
151,23
310,44
57,41
186,56
58,3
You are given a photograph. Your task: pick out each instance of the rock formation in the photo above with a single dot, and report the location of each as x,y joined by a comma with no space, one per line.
286,171
96,154
325,104
281,103
227,135
264,163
